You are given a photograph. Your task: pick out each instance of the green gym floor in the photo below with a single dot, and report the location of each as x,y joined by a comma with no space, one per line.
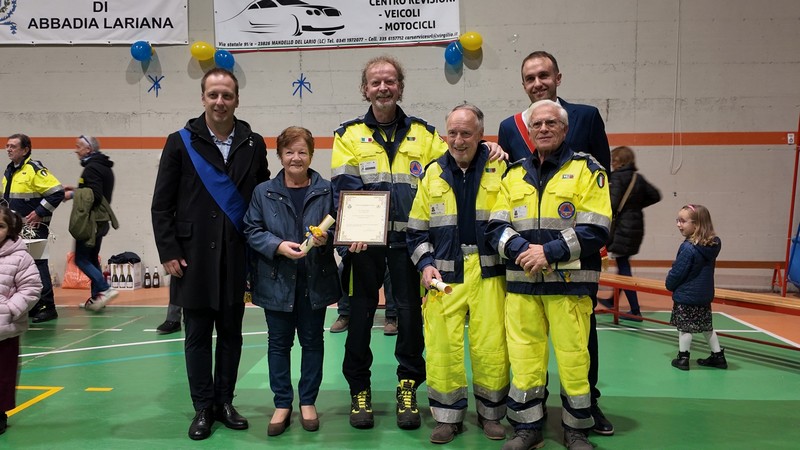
92,381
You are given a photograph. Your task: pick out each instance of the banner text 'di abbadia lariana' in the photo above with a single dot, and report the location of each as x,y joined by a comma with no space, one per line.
93,22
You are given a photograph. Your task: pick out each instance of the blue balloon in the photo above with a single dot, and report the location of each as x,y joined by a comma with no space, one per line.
454,53
224,59
141,51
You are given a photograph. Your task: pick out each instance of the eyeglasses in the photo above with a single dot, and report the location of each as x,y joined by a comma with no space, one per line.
683,221
550,123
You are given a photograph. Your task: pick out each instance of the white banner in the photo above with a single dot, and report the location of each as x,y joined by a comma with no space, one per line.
93,22
294,24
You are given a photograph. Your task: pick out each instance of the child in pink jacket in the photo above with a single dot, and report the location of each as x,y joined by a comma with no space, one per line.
20,286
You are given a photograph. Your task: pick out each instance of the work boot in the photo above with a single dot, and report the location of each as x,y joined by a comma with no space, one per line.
407,411
492,429
576,440
341,324
390,326
361,410
525,439
717,359
682,361
445,432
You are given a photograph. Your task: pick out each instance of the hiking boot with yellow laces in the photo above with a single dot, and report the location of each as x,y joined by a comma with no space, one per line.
361,410
407,411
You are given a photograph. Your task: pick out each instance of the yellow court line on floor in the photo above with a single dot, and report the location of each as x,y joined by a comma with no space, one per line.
98,389
49,390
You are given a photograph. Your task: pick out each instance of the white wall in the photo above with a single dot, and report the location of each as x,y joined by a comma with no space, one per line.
651,66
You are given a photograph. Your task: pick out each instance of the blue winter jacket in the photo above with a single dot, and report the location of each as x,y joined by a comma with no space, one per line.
270,220
691,278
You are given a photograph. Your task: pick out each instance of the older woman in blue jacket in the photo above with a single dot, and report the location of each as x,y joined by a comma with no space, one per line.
293,286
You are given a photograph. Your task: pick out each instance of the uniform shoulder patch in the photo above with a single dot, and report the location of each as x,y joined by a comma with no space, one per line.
601,180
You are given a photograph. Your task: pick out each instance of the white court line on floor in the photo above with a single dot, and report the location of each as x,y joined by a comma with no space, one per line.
768,333
753,328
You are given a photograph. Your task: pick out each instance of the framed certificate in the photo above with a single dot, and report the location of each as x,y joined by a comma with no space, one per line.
363,217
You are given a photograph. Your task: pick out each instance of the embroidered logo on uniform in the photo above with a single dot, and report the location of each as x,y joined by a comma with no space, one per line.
567,176
366,139
437,209
601,180
490,170
415,168
411,138
566,210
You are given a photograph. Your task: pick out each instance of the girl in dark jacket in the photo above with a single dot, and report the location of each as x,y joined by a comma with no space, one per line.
628,229
691,281
293,285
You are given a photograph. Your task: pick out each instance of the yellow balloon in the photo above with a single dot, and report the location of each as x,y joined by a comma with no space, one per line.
471,41
202,51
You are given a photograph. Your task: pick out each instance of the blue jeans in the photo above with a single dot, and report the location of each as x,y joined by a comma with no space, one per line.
343,306
281,326
624,268
88,260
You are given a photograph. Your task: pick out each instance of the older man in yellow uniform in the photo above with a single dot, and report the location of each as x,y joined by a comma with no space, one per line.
447,240
550,220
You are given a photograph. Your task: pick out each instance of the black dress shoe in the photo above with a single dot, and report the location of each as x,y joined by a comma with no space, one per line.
168,327
228,415
45,314
602,425
201,425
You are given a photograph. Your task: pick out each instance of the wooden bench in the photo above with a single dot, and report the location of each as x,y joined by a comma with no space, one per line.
777,267
755,300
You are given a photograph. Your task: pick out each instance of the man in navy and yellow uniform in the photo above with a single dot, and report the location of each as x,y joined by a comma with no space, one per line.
384,150
550,221
447,240
33,192
541,78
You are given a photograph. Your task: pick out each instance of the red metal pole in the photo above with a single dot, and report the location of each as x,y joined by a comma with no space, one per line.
791,209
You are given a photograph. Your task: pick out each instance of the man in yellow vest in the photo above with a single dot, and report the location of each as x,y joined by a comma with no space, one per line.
33,192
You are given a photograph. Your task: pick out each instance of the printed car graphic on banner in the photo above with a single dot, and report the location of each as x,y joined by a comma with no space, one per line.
287,17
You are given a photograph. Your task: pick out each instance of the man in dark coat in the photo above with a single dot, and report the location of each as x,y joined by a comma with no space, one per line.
197,232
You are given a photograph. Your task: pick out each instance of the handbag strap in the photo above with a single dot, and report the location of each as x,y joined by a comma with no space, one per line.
218,184
627,193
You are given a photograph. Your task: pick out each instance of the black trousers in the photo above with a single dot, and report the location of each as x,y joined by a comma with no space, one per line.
212,376
367,270
9,373
46,299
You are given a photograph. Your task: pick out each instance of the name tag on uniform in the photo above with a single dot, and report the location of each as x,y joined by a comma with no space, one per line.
437,209
520,212
368,167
